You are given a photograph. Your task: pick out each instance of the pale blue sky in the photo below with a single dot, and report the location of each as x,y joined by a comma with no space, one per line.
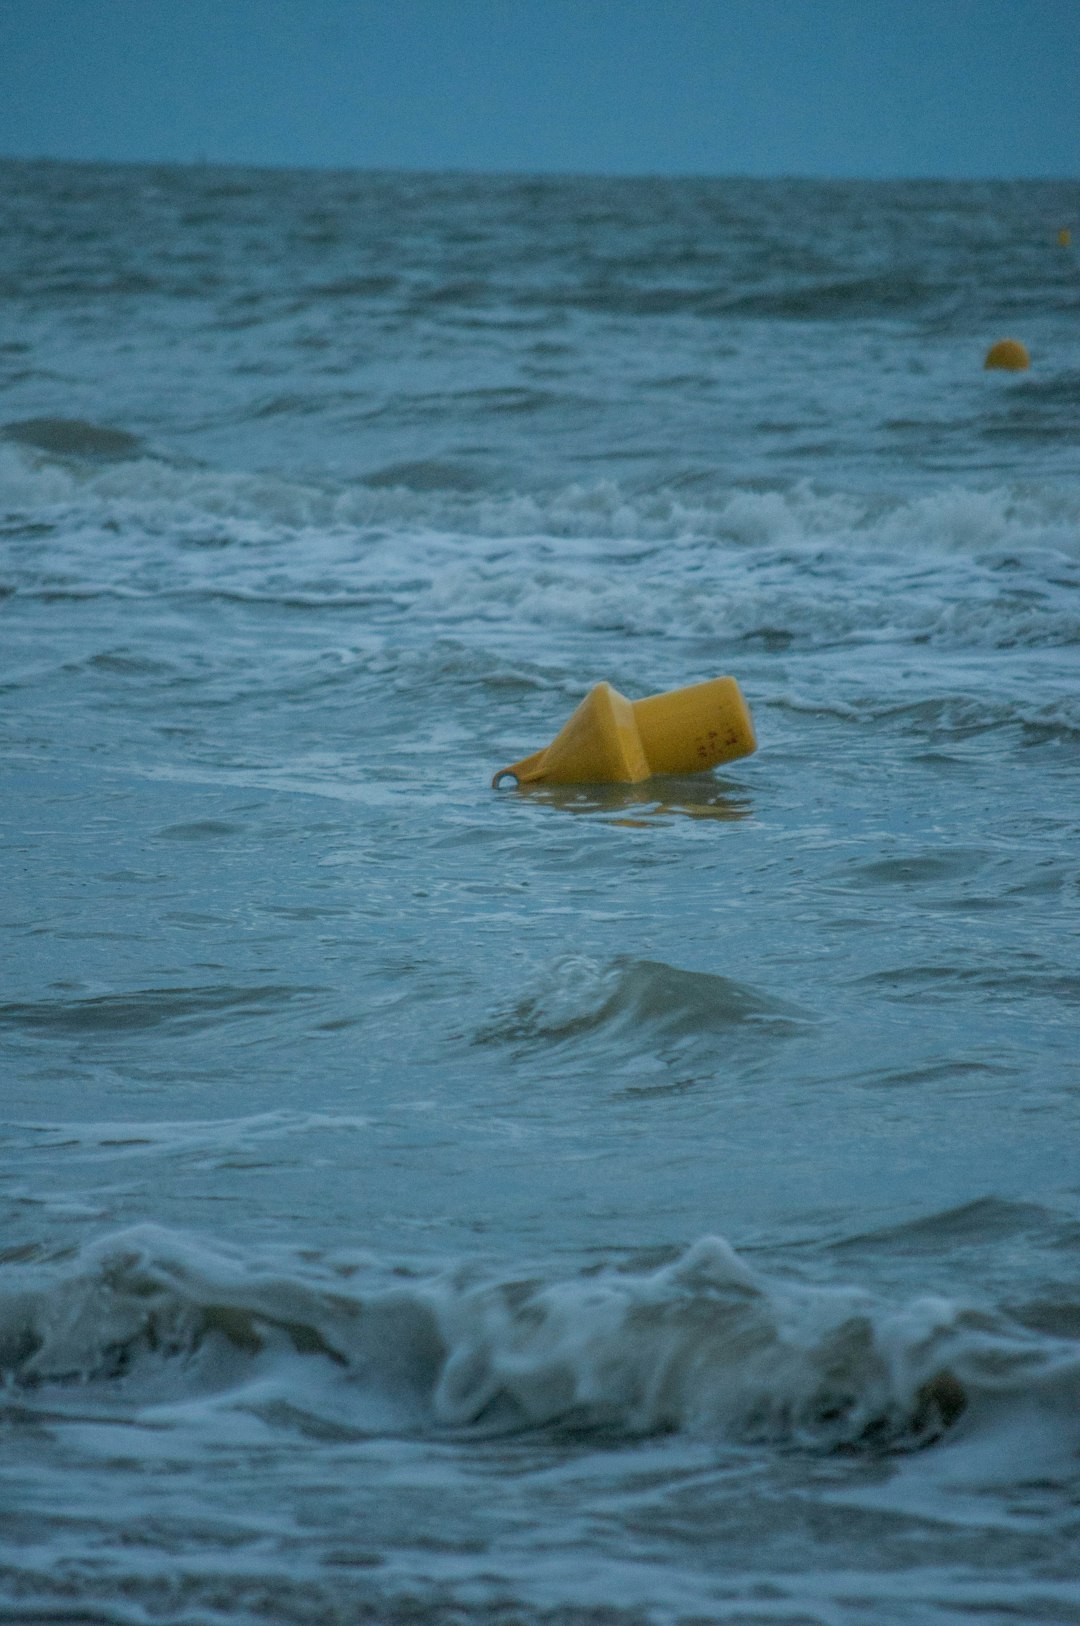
754,87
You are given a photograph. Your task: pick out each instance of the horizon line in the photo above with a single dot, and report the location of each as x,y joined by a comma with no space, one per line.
458,171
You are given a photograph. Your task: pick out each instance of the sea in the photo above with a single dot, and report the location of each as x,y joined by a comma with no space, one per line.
608,1205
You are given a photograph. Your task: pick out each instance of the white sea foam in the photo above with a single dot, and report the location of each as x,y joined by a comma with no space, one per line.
705,1345
154,493
962,568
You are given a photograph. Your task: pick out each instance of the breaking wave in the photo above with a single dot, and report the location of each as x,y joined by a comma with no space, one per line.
705,1344
957,568
59,464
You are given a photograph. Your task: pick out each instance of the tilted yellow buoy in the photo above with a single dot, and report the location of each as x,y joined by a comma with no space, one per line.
1008,353
614,741
1064,236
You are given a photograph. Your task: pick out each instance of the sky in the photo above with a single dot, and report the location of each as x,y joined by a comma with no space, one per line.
845,88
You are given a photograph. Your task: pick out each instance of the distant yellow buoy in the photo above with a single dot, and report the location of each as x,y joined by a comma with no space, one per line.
1008,353
1064,236
614,741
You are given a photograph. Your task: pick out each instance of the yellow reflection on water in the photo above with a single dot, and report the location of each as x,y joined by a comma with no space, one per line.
689,796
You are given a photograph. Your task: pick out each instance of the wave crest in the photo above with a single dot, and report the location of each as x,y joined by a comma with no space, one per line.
704,1344
577,996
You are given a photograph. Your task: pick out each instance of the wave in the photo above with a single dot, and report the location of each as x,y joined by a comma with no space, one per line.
795,297
426,496
704,1344
435,494
750,576
958,713
925,983
983,1221
643,1000
73,437
142,1009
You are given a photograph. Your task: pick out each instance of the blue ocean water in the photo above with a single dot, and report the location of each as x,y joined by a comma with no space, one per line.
626,1204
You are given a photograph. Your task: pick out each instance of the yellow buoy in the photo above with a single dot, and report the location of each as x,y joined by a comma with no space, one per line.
1008,353
614,741
1064,236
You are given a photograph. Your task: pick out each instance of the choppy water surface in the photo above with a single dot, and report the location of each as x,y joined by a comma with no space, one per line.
644,1204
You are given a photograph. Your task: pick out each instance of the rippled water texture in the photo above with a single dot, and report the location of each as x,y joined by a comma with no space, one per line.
632,1204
